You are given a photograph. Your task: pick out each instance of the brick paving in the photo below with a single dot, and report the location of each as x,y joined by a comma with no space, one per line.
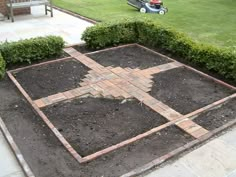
124,84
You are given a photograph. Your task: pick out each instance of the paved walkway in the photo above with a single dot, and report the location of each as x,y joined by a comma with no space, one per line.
9,166
215,159
38,24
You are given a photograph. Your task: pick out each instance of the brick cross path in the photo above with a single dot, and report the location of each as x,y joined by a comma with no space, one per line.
122,83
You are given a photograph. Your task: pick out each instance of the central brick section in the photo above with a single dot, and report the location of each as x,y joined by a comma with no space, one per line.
108,82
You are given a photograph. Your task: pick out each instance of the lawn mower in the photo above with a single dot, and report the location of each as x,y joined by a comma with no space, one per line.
149,6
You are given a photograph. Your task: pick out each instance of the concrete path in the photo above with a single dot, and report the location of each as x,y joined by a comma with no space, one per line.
9,166
38,24
215,159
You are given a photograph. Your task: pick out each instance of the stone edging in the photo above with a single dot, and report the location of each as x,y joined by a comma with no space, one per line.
75,15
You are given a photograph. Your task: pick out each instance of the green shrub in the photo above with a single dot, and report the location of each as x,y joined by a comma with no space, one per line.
32,49
2,67
220,60
110,34
159,36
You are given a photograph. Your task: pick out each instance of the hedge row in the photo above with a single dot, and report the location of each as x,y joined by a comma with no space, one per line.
222,61
2,67
29,50
110,34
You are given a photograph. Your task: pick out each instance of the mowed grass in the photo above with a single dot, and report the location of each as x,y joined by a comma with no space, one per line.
207,21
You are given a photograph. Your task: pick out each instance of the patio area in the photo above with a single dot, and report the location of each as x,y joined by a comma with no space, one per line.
38,24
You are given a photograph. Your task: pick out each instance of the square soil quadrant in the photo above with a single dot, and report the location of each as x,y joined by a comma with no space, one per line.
217,117
47,79
132,56
185,90
92,124
83,49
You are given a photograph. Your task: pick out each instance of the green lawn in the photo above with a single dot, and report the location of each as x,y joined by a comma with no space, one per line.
208,21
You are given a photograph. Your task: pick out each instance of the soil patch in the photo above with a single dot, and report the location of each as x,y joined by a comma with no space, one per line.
194,65
215,118
83,49
186,91
92,124
47,157
44,80
131,56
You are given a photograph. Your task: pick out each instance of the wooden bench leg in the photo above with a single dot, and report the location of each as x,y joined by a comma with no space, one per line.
12,14
8,16
51,9
46,9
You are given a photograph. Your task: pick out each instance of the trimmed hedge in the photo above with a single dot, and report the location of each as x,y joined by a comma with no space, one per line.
111,34
31,49
222,61
2,67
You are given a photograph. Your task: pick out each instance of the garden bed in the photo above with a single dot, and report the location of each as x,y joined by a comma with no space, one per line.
47,79
92,124
106,121
216,118
186,91
132,56
83,48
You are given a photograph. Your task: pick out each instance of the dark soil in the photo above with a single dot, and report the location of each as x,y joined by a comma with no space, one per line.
92,124
194,65
48,79
132,57
185,90
83,49
217,117
47,157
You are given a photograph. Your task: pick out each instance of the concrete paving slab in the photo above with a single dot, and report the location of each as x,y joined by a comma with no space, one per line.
38,24
9,166
230,138
178,170
217,158
233,174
